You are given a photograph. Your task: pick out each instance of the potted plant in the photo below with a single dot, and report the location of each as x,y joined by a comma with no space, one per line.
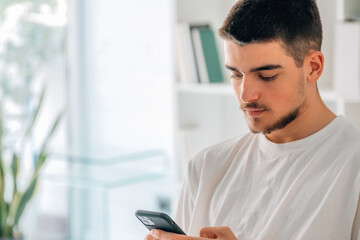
32,34
11,211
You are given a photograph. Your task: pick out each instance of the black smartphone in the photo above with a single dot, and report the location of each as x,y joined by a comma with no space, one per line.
158,220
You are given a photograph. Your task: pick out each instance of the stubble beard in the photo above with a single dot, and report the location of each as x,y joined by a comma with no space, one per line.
284,120
279,124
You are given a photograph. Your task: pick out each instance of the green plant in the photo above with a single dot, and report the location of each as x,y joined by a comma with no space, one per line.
11,211
26,49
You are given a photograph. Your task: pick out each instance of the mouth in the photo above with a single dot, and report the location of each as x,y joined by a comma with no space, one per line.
252,112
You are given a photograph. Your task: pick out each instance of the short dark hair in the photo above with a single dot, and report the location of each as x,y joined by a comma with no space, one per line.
296,23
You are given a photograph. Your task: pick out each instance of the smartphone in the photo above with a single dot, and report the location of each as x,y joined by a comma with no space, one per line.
158,220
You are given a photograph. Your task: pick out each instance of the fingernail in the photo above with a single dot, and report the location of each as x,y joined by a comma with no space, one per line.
154,232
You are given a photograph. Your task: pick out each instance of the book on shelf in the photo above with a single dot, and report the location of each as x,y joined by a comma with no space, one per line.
206,55
198,57
187,71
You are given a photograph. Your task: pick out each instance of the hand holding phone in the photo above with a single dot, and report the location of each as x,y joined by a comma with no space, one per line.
158,220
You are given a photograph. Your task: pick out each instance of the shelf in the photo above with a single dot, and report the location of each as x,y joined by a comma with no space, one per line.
216,89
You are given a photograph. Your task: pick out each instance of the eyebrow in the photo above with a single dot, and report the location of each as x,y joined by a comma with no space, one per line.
262,68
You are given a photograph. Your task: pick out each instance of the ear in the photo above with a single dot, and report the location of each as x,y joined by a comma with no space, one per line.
315,65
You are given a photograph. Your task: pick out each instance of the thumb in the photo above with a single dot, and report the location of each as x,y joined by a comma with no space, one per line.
159,234
208,232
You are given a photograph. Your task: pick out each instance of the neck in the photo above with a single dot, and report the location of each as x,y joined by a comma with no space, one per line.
313,116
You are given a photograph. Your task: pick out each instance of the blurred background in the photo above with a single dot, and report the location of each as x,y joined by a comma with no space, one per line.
132,85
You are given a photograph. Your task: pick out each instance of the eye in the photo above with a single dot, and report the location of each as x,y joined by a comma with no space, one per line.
236,76
267,78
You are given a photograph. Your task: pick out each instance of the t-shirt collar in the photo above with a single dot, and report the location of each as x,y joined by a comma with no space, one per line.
310,141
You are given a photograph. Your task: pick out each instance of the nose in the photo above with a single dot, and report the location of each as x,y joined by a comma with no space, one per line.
249,90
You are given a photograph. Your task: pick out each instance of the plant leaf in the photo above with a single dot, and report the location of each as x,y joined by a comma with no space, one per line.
43,155
2,179
3,216
25,198
14,170
12,209
2,167
3,208
41,99
40,161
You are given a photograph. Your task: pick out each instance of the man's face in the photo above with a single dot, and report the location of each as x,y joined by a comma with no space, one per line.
269,87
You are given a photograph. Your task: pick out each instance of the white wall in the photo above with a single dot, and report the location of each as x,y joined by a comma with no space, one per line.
328,16
128,75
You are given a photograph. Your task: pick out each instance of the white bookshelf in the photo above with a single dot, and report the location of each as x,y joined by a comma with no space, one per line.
208,113
206,89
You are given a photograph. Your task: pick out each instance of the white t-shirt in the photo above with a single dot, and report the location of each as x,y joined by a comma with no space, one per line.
303,190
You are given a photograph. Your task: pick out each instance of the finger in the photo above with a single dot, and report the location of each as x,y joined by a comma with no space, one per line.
159,234
216,232
223,231
149,236
208,232
162,235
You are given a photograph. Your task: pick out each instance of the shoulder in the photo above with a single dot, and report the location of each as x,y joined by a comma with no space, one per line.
348,135
345,145
351,130
349,142
222,153
214,161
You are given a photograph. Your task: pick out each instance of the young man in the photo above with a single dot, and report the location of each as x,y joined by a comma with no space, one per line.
297,174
